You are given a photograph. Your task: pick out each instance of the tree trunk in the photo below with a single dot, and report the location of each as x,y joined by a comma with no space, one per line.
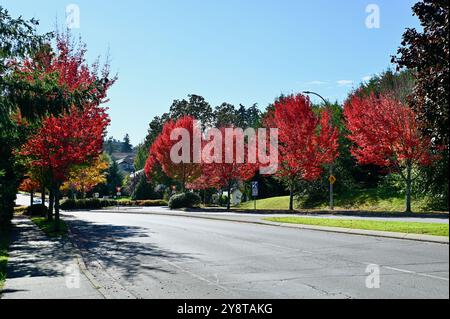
51,201
43,195
291,196
408,187
57,208
31,198
229,197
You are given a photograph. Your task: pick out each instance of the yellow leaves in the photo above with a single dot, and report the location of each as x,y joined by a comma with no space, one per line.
85,178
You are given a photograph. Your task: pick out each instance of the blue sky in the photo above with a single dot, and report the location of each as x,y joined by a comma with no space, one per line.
236,51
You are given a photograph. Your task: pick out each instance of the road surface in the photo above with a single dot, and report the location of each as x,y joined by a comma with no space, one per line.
151,256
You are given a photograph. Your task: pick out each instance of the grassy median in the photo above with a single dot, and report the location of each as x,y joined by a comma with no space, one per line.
49,227
436,229
4,242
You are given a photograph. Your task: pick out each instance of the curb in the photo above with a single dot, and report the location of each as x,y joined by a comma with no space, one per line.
81,264
348,231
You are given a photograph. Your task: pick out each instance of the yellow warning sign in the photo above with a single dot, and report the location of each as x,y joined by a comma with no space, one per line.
332,179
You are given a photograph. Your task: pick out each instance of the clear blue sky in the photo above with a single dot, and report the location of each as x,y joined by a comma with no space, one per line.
238,51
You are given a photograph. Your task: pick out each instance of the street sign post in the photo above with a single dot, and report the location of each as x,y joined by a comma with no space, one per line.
255,192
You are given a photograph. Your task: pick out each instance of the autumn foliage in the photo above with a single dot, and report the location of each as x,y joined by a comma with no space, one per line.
62,142
307,141
386,133
184,171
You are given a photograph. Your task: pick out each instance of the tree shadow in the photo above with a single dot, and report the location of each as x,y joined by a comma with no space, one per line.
125,249
32,254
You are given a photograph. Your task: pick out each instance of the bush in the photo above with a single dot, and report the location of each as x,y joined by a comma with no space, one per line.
79,204
93,203
151,203
36,211
184,200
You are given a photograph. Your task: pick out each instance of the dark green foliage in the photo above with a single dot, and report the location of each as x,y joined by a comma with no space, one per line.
196,106
18,39
399,85
144,190
126,145
93,203
426,52
36,211
114,179
144,203
184,200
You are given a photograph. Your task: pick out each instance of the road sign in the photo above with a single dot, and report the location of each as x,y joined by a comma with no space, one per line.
332,179
255,189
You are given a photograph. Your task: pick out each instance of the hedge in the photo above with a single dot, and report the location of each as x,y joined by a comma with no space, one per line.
79,204
184,200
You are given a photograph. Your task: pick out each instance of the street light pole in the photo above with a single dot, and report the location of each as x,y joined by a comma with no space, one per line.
331,165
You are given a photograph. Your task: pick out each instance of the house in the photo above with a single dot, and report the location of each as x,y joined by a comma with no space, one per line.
126,164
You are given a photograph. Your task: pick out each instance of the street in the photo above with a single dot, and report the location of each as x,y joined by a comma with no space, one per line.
151,256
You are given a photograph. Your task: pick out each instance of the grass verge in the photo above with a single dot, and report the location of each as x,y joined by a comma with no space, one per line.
397,227
4,243
372,200
49,227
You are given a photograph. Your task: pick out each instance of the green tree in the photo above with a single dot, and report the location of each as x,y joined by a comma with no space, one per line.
18,39
196,107
426,53
143,189
126,145
141,157
225,115
114,179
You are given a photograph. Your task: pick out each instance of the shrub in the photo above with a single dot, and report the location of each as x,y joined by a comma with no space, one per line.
151,203
36,211
144,203
92,203
184,200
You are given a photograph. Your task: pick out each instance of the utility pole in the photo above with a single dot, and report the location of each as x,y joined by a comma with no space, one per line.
332,178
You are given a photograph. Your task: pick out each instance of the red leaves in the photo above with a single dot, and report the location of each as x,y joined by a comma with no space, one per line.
386,132
223,174
75,138
307,141
185,170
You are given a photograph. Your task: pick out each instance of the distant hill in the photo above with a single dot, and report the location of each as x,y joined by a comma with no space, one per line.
112,146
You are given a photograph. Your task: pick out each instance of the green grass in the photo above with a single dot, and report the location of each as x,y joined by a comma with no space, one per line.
4,243
398,227
374,200
275,203
49,227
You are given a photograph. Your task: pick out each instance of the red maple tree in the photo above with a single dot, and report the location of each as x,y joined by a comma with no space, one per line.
53,81
307,141
226,168
184,170
62,142
386,133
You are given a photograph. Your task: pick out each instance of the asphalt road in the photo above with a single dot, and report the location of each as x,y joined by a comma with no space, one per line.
151,256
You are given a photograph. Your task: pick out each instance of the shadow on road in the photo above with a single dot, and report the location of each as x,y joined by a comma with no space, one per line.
122,248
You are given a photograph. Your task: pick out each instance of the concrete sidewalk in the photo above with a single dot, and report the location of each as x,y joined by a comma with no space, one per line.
43,268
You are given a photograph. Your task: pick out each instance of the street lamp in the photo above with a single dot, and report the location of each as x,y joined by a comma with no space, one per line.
332,179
